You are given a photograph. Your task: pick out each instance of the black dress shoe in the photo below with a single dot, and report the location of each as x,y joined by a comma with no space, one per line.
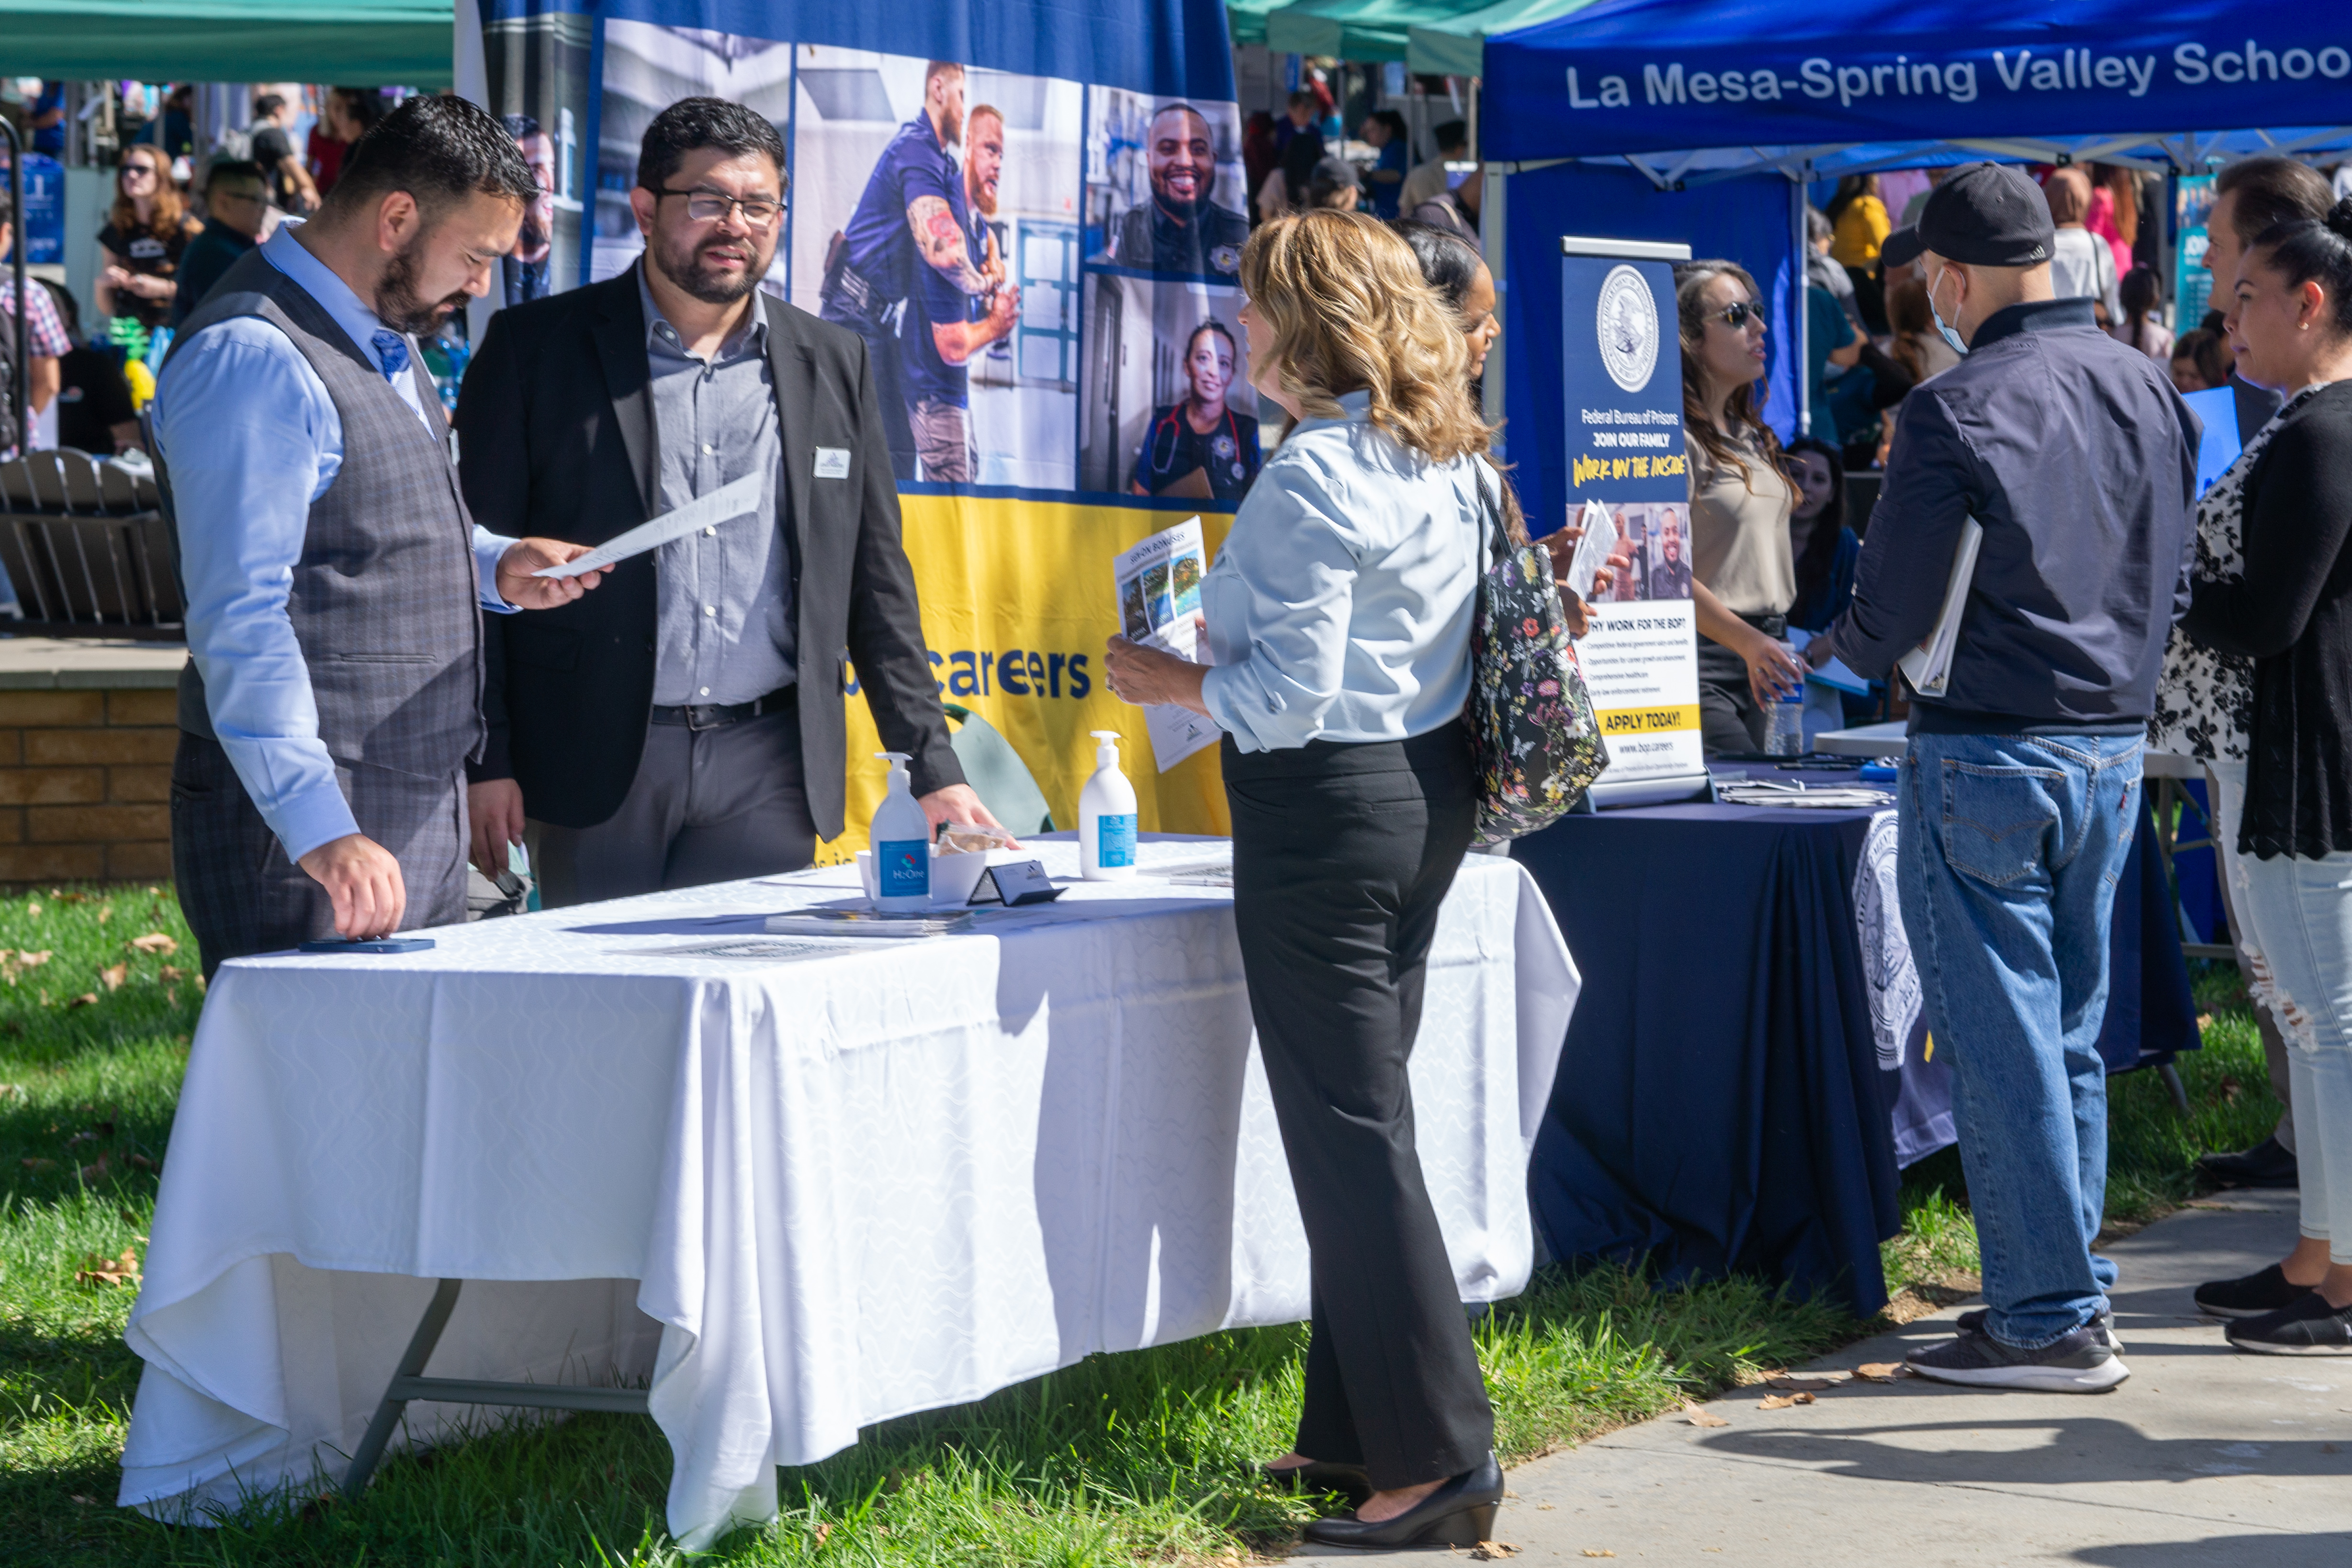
1315,1475
2255,1296
1459,1513
2268,1163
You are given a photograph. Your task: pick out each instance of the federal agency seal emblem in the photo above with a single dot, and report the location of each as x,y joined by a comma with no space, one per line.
1626,323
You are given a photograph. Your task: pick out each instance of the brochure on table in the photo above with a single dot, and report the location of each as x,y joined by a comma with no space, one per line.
1630,487
1157,585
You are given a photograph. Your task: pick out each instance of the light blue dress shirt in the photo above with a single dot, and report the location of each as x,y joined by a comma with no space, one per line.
1340,606
251,440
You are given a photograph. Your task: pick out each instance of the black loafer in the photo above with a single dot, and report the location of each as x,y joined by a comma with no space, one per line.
2309,1327
2255,1296
1459,1513
1317,1477
2268,1163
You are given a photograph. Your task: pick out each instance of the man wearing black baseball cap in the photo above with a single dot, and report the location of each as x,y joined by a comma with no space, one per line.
2020,787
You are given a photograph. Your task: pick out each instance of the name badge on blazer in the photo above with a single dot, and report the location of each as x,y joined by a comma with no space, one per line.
832,462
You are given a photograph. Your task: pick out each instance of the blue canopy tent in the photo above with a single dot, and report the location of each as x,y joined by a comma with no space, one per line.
1703,119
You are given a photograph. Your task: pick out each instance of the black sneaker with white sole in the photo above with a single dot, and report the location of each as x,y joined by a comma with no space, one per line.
2254,1296
2081,1362
2309,1327
1973,1321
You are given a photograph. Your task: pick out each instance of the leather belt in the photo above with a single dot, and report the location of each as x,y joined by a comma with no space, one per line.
1770,625
718,715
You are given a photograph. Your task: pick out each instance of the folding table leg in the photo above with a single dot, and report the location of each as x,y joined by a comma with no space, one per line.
388,1412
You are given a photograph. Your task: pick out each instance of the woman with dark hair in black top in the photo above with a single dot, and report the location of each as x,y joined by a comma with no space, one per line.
2274,599
1824,547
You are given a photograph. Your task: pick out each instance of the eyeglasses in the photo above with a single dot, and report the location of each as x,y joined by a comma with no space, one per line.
1737,314
137,166
709,206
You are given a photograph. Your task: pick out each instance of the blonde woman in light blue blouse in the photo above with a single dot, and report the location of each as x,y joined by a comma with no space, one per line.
1339,619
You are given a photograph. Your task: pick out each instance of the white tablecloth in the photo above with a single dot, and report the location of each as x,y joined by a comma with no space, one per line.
798,1196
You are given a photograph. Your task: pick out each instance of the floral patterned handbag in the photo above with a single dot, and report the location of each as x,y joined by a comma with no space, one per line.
1533,738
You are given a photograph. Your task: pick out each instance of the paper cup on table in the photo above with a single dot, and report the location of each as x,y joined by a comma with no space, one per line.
953,877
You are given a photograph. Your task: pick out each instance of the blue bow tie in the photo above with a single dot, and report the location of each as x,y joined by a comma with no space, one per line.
391,349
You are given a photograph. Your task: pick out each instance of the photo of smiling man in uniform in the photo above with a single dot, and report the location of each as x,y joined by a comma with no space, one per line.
911,221
1180,229
944,327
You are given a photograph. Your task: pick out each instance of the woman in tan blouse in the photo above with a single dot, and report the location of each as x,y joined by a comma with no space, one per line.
1745,577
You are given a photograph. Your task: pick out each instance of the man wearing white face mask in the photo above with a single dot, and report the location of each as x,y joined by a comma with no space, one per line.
2020,787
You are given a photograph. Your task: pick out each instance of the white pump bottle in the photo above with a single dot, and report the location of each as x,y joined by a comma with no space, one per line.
900,842
1107,817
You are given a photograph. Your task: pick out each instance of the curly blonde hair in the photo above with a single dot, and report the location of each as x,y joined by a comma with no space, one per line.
1349,311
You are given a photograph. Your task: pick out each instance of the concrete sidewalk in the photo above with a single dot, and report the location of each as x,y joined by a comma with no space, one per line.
2206,1457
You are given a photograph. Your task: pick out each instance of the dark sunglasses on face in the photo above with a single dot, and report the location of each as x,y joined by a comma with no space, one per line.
1737,314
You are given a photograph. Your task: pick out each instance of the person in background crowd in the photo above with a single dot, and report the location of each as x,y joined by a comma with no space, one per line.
1181,228
944,327
2252,196
1456,210
1911,208
686,724
2141,293
524,270
1859,224
2200,361
2113,214
2081,267
2282,602
1452,266
1819,270
1300,157
1739,507
1301,117
1834,340
2022,781
146,235
95,411
1259,157
1334,184
1201,447
350,112
1824,547
336,585
173,131
291,187
45,342
47,119
1384,130
1338,616
1430,181
236,197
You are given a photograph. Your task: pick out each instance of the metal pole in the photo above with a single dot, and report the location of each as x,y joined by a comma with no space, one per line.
21,372
1798,310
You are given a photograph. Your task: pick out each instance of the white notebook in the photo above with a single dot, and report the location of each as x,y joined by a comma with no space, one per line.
1928,667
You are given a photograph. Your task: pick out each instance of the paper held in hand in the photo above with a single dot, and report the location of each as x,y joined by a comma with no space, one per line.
1591,551
1928,667
725,504
1158,587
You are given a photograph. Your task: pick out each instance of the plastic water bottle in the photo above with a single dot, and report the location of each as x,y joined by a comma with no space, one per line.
1786,737
901,840
1107,817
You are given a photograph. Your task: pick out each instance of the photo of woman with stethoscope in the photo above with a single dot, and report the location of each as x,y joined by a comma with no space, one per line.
1200,447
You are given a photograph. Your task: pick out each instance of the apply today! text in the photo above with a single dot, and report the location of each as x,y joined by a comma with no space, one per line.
2067,70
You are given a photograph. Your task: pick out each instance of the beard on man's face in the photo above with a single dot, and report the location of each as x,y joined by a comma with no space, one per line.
397,304
683,265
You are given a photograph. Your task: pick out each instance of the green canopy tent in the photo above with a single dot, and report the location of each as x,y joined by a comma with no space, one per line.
1355,30
1456,45
404,41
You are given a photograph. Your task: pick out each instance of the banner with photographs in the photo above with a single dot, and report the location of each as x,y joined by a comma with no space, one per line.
1033,215
1629,476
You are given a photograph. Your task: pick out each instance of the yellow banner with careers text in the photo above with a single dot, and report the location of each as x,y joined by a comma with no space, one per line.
1017,603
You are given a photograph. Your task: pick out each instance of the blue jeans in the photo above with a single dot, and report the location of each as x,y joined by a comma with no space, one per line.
2012,845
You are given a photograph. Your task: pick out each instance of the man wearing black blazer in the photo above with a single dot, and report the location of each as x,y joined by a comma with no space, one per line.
685,724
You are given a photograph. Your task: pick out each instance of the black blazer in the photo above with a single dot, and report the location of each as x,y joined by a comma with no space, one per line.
557,438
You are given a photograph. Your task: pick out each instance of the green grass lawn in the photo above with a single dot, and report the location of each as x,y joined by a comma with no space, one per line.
1140,1458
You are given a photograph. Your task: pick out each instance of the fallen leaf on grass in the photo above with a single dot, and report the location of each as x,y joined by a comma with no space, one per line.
69,897
86,999
155,941
36,1164
33,911
96,1171
105,914
1882,1371
823,1530
1493,1551
11,1091
173,972
85,1501
113,975
1698,1416
144,1164
1782,1401
122,1270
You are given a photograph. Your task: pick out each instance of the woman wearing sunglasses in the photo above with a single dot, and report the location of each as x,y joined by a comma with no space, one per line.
146,232
1740,508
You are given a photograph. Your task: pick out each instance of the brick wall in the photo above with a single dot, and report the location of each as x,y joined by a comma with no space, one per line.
86,785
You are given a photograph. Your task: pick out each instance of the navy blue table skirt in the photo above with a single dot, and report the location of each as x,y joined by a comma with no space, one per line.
1719,1106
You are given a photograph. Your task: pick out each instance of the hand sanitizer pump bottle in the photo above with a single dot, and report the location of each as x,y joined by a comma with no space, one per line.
1107,817
901,840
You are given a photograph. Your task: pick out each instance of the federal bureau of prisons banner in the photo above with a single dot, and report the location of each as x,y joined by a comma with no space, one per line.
1032,213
